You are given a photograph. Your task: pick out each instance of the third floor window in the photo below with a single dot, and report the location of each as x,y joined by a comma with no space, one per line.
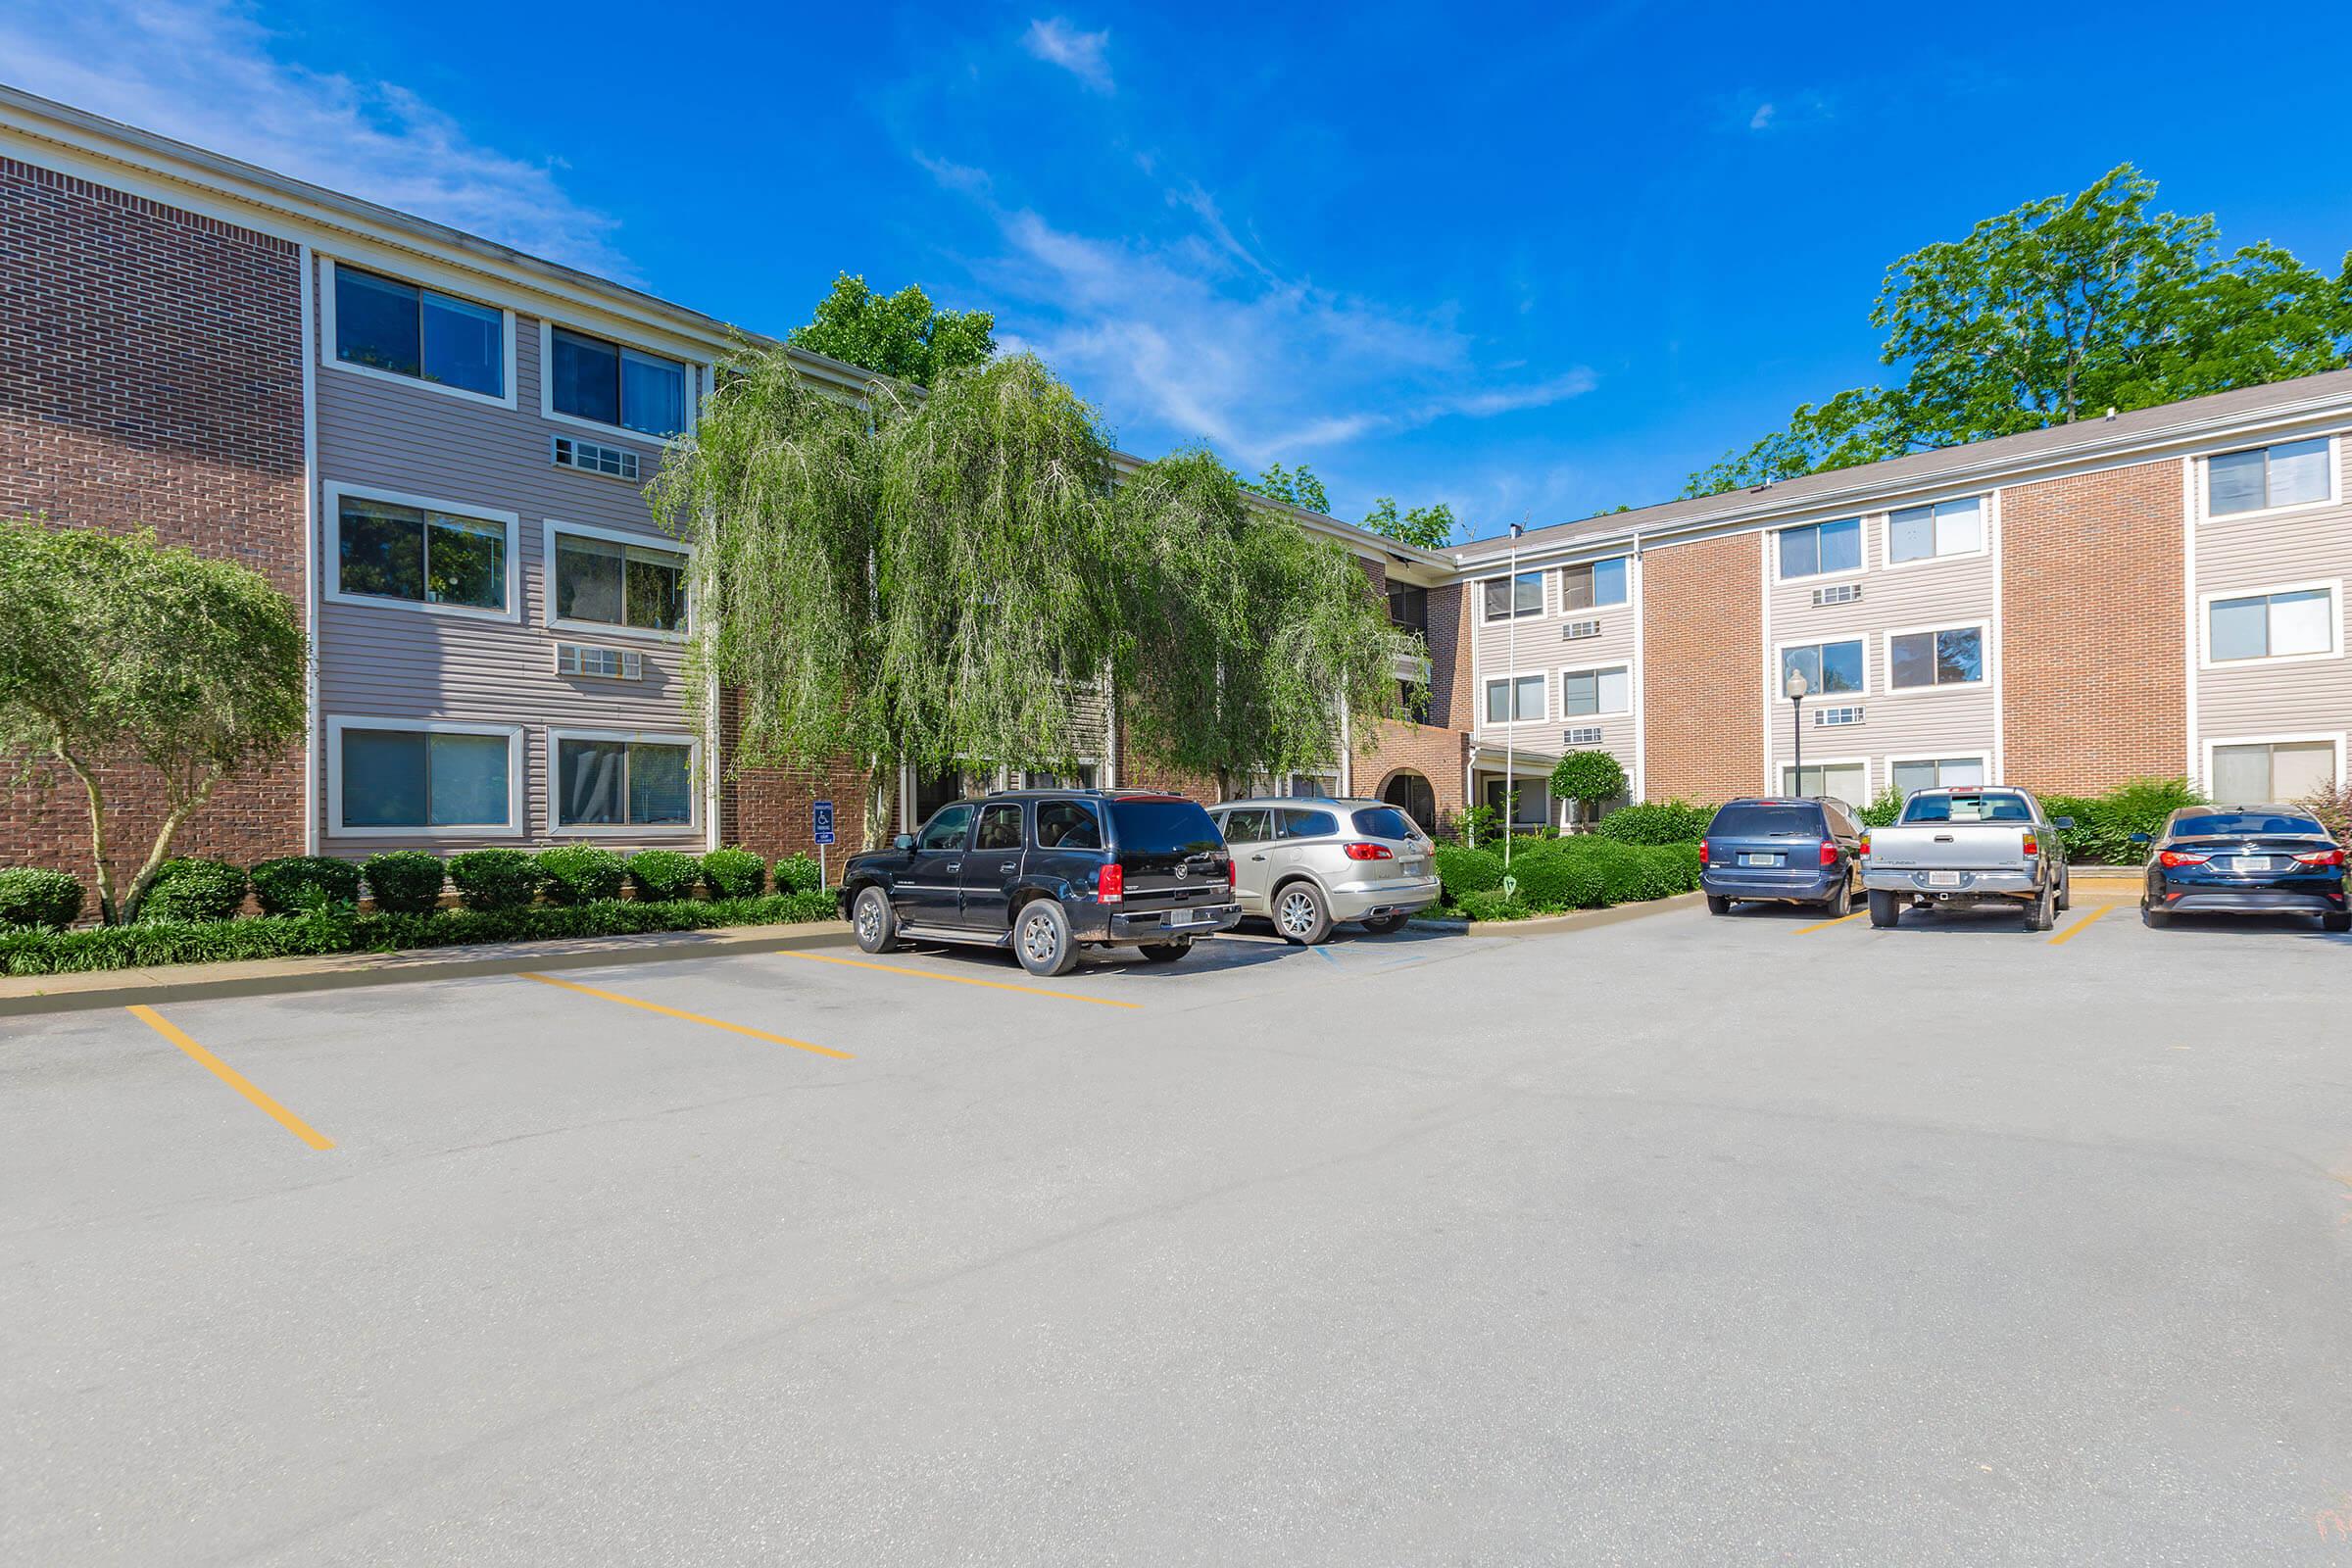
1822,547
384,324
1514,597
2291,475
1593,584
590,378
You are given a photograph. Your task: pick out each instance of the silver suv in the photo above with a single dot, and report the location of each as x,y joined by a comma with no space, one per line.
1307,863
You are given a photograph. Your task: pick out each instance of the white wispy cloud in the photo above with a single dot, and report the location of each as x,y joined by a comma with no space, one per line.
1084,55
206,71
1762,119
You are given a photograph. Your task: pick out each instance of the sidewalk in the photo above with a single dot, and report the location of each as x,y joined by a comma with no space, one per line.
253,978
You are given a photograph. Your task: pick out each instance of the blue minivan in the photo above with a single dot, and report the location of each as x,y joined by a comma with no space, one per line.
1776,850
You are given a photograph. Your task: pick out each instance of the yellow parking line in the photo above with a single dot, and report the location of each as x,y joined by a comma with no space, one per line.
690,1017
229,1076
1807,930
959,979
2078,928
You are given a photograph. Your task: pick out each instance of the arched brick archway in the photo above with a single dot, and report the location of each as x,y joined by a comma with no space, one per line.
1409,791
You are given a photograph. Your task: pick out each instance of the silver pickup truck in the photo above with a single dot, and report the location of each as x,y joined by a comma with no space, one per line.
1967,847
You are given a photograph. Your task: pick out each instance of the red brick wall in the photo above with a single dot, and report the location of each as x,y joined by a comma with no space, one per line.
150,376
1450,656
2094,677
1703,654
767,810
1433,751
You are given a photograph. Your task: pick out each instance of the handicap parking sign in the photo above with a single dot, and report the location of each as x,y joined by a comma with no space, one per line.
822,811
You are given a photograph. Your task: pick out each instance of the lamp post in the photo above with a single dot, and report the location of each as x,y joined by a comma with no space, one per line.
1797,687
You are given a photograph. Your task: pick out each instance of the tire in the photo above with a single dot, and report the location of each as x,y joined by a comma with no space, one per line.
2335,922
874,922
1166,952
1885,909
2065,891
1385,924
2155,919
1040,939
1300,917
1717,903
1839,904
2039,914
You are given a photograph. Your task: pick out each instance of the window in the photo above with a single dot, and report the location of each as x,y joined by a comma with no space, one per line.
1918,660
1000,828
1083,779
1147,826
2224,824
1821,547
1408,606
1251,826
2287,624
589,379
1936,773
1415,701
606,582
2258,772
1595,691
385,550
611,781
1830,668
401,330
1532,802
1308,824
1840,781
1947,528
1384,823
388,779
1509,702
1067,825
2290,475
945,830
1593,584
1514,597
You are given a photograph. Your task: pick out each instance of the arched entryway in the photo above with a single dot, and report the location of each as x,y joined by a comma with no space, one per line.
1412,794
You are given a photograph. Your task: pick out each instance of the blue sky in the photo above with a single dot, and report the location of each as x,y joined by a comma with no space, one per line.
1531,262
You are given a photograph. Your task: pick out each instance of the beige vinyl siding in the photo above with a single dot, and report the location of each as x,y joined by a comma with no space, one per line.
395,660
1544,650
2248,554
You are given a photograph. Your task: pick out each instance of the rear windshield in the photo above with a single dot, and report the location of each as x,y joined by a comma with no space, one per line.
1384,822
1766,822
1967,808
1163,828
2227,823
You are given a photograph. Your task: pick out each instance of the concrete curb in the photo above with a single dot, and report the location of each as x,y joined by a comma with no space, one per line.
1545,926
254,977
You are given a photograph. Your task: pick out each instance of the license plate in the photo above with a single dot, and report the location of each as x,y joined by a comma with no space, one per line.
1944,879
1192,917
2250,862
1759,860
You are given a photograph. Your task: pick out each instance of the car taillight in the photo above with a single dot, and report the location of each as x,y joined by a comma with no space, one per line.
1829,851
1863,848
1233,875
2182,858
1704,856
1368,852
1111,886
2321,858
2033,845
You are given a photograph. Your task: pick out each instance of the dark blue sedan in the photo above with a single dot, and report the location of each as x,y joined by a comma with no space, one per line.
2244,859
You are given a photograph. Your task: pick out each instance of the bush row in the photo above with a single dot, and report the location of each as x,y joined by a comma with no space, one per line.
1583,873
328,929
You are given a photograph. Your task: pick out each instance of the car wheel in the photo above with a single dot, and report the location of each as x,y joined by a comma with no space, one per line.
2065,891
1041,938
1385,924
2039,916
1166,952
1839,904
1717,903
1300,913
2155,919
1885,909
874,922
2335,922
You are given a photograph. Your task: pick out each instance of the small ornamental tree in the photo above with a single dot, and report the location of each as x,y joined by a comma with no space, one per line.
1589,778
121,659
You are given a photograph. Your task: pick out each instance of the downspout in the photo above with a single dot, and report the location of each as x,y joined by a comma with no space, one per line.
311,738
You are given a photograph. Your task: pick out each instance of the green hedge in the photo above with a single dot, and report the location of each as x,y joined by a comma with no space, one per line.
578,873
31,895
293,883
1555,874
194,889
1465,871
661,876
1657,822
734,873
798,873
1579,872
1494,904
330,930
496,879
2104,823
405,881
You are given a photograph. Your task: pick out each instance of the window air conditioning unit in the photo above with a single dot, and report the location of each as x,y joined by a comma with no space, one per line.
1589,735
592,457
1576,629
603,664
1833,718
1838,593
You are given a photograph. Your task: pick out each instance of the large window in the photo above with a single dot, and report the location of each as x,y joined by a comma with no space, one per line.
2289,623
388,779
389,549
2290,475
1593,584
1514,597
1585,692
1508,702
590,378
2263,772
615,781
1924,660
1822,547
1829,669
607,583
402,329
1936,773
1947,528
1840,781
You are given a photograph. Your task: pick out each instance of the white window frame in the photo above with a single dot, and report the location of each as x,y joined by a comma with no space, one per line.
2213,743
1780,667
332,562
1784,765
1566,670
1886,532
2335,587
1538,676
328,358
558,829
2336,482
1985,680
1861,567
619,433
1983,759
1543,597
610,536
1561,572
513,827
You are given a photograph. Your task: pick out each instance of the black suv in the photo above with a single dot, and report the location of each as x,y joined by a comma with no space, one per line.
1047,872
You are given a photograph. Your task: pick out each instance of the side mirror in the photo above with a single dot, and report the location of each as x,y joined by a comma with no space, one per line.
2138,838
2063,823
904,841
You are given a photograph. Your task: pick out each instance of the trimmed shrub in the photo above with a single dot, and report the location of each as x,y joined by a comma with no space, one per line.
1675,865
31,895
405,881
1554,875
576,873
1588,778
1657,822
1881,812
293,883
661,875
495,879
1464,871
2104,823
1492,905
194,889
734,873
797,873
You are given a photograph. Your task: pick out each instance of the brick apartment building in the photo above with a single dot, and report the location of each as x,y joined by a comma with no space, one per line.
435,446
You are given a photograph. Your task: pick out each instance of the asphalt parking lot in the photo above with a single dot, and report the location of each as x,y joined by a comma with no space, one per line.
1746,1240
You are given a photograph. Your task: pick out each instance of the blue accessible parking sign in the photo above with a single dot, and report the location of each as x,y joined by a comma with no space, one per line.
823,812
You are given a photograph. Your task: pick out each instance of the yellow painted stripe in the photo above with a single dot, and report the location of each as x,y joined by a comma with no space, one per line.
690,1017
229,1076
1808,930
960,979
2079,926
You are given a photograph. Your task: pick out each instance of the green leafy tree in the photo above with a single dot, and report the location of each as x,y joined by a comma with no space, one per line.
2056,311
1430,527
1589,778
121,658
1292,489
901,334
